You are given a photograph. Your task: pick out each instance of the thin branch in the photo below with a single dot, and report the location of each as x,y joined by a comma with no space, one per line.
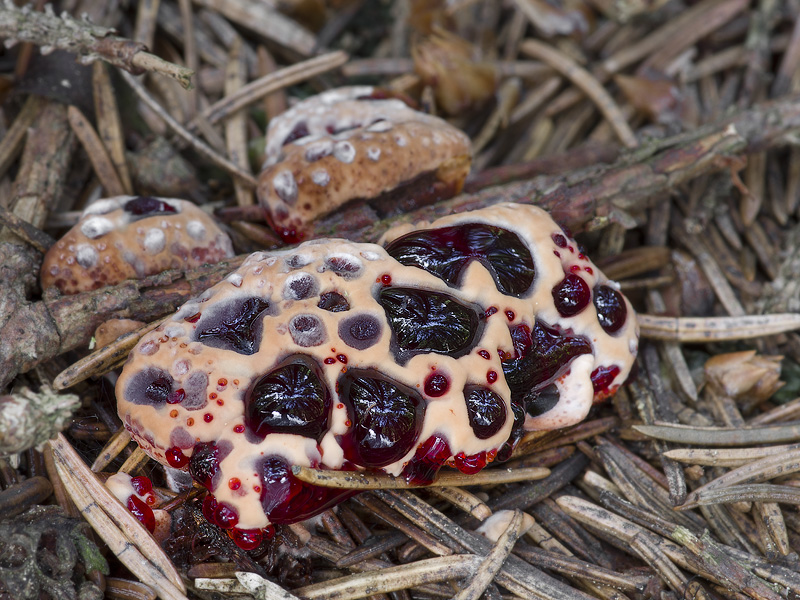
90,42
198,145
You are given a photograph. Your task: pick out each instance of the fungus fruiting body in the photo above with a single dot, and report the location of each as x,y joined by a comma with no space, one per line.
354,143
131,237
441,347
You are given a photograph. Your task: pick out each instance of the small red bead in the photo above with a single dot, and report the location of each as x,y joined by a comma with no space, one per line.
238,428
226,516
234,483
436,385
176,458
208,417
491,376
246,539
142,512
142,485
176,397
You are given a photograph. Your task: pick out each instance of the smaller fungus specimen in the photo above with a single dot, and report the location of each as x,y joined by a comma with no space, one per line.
129,237
355,143
439,348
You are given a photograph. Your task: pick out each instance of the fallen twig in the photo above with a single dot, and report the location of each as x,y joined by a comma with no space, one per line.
90,42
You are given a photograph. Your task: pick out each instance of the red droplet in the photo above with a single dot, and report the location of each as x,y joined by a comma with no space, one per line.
208,417
342,358
329,361
144,513
510,314
602,378
209,508
571,295
246,539
176,397
386,279
226,516
238,428
559,240
484,354
491,376
490,311
470,464
142,485
557,253
436,385
220,402
193,318
290,236
234,483
428,459
176,458
212,396
222,382
588,270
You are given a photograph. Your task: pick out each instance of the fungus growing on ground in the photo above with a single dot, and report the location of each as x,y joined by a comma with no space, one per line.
355,143
131,237
442,347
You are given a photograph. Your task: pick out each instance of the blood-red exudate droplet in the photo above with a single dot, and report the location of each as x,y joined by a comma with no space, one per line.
436,385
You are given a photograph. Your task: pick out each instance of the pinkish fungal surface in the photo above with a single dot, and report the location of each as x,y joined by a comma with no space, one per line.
440,347
129,237
352,143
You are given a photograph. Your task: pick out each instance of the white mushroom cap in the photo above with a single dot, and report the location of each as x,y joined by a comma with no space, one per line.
129,237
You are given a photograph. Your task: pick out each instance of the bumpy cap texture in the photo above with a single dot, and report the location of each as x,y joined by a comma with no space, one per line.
129,237
352,143
440,347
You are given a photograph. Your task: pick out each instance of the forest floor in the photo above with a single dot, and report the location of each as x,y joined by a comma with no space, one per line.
662,133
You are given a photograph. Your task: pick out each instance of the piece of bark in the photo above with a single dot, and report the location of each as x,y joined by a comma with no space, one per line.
43,167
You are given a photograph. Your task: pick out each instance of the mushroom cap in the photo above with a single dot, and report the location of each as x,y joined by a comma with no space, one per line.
352,143
300,351
127,237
